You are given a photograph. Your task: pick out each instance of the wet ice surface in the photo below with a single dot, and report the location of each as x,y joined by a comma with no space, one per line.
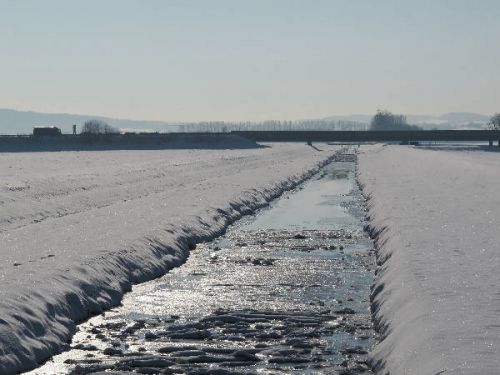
285,292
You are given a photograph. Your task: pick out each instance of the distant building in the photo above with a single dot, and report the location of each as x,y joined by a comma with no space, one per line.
46,130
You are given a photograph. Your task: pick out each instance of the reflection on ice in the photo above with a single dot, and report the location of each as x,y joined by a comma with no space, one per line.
319,204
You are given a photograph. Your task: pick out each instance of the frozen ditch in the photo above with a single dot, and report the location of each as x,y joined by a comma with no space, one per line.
286,291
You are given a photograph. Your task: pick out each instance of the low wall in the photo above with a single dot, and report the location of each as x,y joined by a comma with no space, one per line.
371,136
124,141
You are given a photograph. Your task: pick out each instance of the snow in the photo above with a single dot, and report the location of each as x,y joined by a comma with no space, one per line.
435,215
77,229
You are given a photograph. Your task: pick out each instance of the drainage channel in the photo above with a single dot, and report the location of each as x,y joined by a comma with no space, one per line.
283,292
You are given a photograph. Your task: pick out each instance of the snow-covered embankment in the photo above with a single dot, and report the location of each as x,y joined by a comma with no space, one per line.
77,229
436,218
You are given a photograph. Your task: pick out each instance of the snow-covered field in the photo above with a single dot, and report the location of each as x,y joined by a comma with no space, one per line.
77,228
436,217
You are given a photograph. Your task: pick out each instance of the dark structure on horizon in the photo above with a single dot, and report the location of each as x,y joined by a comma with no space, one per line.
40,131
402,136
50,138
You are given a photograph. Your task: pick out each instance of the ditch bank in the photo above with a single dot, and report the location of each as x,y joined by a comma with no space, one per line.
286,291
41,322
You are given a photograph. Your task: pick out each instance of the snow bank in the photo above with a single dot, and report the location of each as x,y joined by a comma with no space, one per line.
436,219
77,229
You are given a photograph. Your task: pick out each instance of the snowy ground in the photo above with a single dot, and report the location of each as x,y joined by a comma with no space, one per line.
435,212
285,292
77,228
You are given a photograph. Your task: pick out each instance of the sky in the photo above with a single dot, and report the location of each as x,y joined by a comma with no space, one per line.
239,60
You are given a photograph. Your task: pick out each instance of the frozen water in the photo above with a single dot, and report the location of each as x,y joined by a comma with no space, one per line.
77,229
267,296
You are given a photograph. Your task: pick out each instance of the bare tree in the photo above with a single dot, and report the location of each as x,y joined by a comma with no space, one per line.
385,120
97,127
494,123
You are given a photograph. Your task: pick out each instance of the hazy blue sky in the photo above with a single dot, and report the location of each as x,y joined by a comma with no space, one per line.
249,59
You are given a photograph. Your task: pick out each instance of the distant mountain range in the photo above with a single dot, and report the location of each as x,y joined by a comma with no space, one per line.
22,122
452,120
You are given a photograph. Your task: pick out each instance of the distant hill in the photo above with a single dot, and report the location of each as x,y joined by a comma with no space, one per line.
22,122
453,120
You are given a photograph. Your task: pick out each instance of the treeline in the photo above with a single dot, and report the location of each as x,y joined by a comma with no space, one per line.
382,120
225,127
